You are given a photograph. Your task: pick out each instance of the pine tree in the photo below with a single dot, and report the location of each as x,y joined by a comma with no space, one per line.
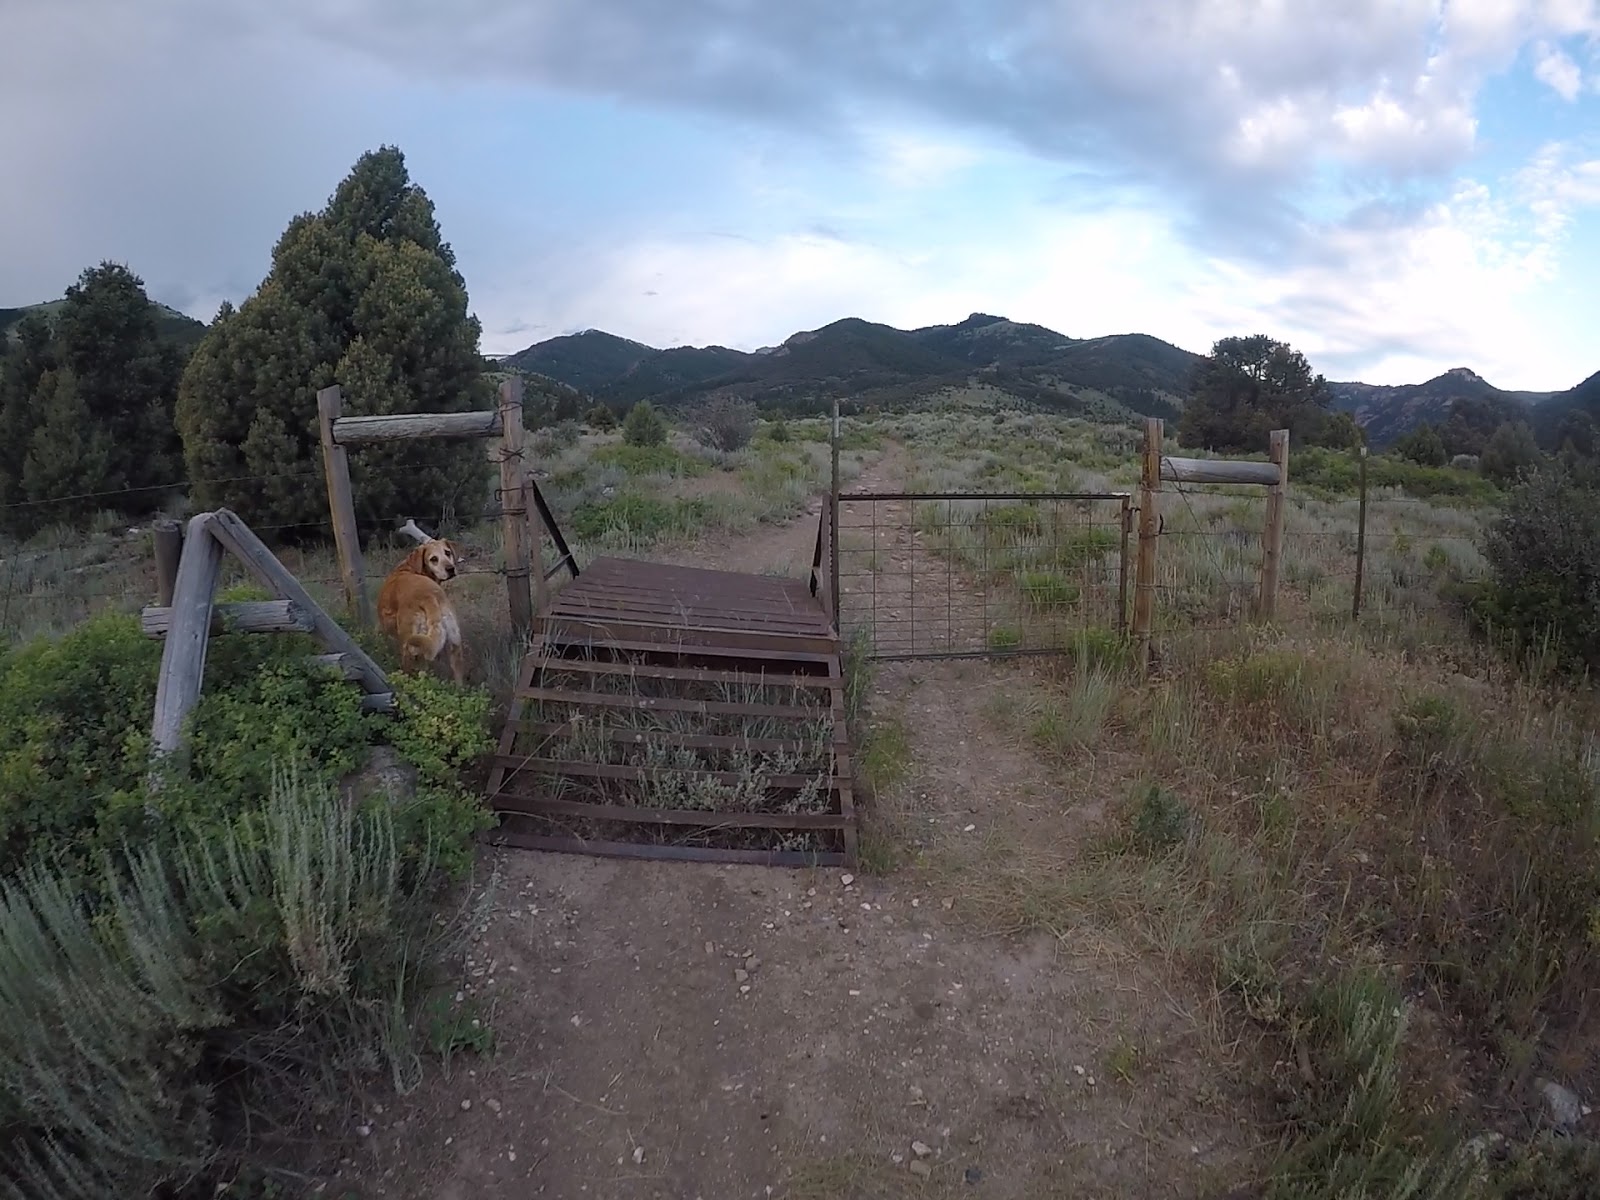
126,374
68,460
363,294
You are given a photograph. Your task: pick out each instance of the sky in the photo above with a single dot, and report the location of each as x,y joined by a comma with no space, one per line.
1395,187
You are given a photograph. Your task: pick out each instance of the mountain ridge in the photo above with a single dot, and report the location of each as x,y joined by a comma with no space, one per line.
1117,375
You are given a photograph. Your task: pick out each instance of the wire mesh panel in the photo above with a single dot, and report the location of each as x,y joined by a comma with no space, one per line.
948,575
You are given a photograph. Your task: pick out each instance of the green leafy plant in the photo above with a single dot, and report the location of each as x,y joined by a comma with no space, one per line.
644,426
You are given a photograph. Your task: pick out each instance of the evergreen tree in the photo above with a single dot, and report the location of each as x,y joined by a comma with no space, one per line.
363,294
644,426
1423,446
1510,453
1246,388
126,375
68,455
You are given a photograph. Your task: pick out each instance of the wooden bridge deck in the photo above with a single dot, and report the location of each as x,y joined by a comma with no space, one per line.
675,712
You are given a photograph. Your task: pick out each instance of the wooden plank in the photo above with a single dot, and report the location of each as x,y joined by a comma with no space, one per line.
667,737
1218,470
551,806
265,568
381,702
183,657
1272,535
167,537
400,427
514,509
248,616
689,674
342,663
658,634
528,765
341,507
656,853
704,708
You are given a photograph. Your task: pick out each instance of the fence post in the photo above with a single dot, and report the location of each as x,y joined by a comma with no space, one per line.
183,657
514,506
1361,539
1144,596
341,506
1272,535
1123,565
833,517
168,537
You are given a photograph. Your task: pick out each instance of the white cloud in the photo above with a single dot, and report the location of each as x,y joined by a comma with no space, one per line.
1560,73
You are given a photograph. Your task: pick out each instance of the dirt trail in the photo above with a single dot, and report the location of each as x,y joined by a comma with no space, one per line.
717,1032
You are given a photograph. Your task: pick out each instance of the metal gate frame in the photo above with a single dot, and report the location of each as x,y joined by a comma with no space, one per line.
828,545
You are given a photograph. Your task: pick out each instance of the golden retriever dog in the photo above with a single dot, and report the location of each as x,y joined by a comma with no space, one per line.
414,610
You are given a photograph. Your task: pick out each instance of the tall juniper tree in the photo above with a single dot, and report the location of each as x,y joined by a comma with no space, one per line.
363,294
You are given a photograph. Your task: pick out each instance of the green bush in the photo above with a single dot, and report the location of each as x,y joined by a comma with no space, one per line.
649,460
642,517
600,418
644,426
75,747
1543,551
290,945
1337,473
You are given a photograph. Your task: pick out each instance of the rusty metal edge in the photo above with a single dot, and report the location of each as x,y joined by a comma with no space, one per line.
639,850
625,814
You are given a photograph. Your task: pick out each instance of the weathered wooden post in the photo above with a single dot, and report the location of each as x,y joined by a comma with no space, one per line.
168,538
1144,596
1124,564
514,507
183,657
1361,539
1272,535
341,506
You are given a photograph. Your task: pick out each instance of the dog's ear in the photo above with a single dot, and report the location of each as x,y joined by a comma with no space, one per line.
455,551
413,561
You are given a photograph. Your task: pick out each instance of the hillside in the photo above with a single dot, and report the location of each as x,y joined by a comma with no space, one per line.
1388,412
183,331
1584,398
871,363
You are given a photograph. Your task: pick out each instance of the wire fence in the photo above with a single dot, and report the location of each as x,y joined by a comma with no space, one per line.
66,572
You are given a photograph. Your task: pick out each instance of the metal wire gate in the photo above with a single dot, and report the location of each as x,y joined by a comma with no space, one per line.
962,575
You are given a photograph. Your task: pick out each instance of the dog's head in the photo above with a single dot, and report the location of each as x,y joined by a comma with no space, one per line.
436,559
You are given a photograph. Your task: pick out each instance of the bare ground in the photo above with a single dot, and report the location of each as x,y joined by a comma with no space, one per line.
714,1032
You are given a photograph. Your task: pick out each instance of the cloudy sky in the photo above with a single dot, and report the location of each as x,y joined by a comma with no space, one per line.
1394,186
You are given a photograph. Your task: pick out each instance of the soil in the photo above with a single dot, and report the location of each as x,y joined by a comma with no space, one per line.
715,1032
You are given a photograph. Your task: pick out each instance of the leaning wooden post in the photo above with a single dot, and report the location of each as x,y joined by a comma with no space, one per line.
168,537
1272,535
514,507
342,507
833,516
183,657
1361,539
1144,594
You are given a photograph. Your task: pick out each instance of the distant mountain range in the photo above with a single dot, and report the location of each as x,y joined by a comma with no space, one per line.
865,364
182,330
1119,376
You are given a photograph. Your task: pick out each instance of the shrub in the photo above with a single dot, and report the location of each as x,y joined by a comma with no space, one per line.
292,943
643,517
600,418
1543,551
724,423
644,426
